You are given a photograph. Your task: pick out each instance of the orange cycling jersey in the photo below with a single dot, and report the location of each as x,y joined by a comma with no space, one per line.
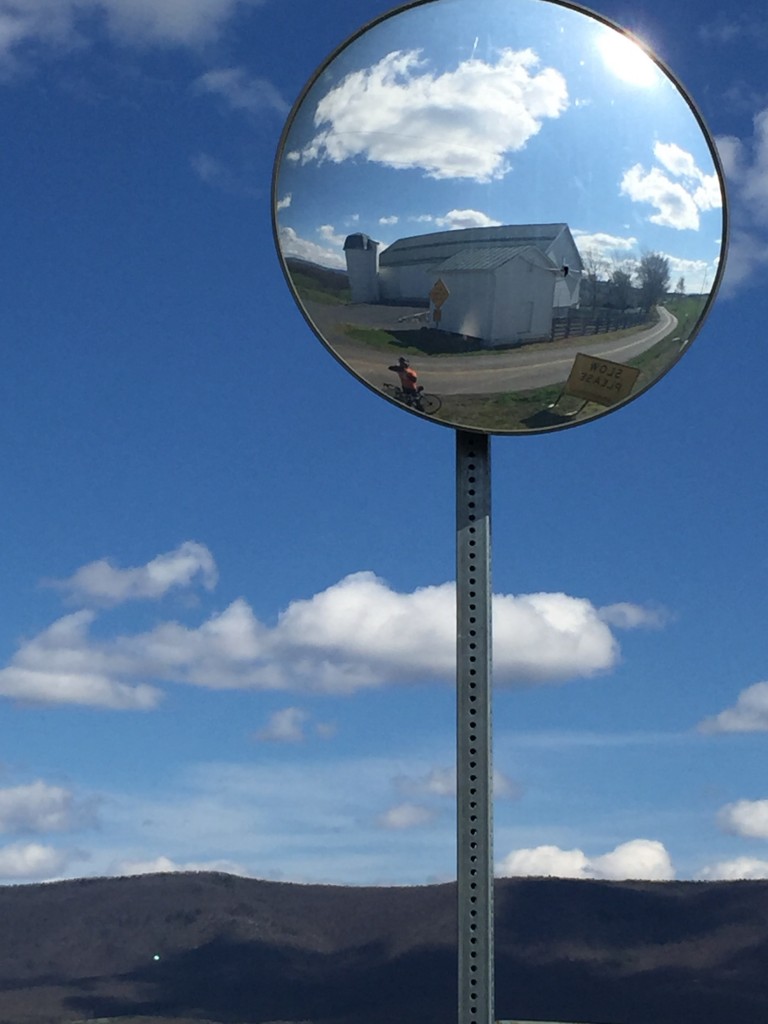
408,378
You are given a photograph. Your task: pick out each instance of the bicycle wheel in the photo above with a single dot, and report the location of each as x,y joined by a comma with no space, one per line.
428,403
392,390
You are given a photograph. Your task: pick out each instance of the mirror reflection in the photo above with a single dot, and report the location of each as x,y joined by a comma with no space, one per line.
502,215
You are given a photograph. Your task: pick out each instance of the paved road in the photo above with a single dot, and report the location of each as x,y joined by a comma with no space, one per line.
479,373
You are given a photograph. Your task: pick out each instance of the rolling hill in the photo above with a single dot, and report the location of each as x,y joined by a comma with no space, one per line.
202,947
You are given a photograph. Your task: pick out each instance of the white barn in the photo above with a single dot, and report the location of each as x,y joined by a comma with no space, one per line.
501,295
504,283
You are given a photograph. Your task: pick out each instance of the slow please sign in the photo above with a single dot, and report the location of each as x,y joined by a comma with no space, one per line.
600,380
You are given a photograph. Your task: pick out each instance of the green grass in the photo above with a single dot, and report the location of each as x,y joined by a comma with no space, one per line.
688,310
504,411
375,337
441,343
310,291
422,342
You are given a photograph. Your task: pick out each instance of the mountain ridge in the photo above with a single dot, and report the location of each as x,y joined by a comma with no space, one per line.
210,947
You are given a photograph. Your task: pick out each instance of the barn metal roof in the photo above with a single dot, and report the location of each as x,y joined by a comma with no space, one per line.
440,245
489,258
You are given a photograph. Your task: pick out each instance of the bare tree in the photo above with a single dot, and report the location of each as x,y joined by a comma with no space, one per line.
594,270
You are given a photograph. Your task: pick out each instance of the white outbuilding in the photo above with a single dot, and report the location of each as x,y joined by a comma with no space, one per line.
501,285
362,255
500,295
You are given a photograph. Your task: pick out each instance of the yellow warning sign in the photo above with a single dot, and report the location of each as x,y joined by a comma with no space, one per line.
439,293
600,380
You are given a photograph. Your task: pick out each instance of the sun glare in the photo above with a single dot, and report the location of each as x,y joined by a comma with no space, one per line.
627,60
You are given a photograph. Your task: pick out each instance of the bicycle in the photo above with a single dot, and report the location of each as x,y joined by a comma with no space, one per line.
421,400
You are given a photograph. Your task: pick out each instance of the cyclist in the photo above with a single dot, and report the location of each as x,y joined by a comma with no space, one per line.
408,378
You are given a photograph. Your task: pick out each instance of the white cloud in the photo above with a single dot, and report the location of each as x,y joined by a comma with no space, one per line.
678,202
681,164
456,220
285,202
505,788
292,244
164,865
727,29
437,782
632,616
698,274
330,236
733,870
603,247
314,826
57,23
326,730
186,22
406,815
675,206
102,582
388,221
544,861
242,91
732,155
746,171
40,807
749,714
441,782
60,666
211,170
359,632
33,861
220,175
639,858
458,124
748,818
356,634
747,165
50,22
285,726
604,253
747,261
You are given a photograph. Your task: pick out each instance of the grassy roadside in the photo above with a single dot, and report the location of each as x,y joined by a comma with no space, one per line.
309,291
439,343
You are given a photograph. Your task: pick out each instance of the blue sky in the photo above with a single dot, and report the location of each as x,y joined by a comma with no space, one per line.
474,119
226,630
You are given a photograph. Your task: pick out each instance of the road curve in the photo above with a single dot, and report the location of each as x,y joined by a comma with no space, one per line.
520,369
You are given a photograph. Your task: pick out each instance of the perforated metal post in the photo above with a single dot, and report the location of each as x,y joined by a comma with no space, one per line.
474,793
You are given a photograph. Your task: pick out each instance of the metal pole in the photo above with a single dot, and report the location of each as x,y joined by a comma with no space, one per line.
474,788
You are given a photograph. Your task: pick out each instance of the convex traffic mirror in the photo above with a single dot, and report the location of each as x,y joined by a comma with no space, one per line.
504,215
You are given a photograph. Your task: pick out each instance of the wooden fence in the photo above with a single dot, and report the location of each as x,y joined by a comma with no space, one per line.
596,321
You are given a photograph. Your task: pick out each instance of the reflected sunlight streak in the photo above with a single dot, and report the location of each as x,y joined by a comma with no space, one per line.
627,59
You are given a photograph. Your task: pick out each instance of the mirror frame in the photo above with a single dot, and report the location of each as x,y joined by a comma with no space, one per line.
684,95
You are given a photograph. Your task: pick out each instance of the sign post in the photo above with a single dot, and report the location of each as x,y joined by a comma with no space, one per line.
474,779
494,363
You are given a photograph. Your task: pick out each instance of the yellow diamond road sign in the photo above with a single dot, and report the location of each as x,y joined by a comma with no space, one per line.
439,293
